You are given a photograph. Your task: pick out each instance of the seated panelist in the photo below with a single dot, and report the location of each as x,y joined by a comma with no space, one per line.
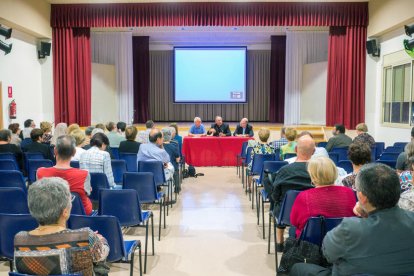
219,129
197,129
244,129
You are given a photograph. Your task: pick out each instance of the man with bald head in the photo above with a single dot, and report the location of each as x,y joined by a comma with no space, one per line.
244,129
219,129
290,177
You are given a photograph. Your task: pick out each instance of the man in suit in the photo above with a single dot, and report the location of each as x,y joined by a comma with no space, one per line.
244,129
380,242
219,129
339,140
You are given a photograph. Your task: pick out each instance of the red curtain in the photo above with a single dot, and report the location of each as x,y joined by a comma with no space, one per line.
277,79
345,95
140,53
72,75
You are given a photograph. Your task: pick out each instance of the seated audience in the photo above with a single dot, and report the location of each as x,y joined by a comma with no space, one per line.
359,154
177,137
72,128
15,133
114,137
172,150
197,129
218,128
96,159
244,129
290,146
46,127
37,144
402,160
7,147
363,136
79,180
380,242
60,130
294,176
79,137
121,126
282,141
339,140
143,135
130,145
318,201
51,248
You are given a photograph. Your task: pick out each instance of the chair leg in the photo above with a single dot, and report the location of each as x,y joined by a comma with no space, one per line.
269,234
140,260
263,220
152,232
146,247
159,226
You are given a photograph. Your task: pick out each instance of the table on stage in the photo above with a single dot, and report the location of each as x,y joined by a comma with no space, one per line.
212,151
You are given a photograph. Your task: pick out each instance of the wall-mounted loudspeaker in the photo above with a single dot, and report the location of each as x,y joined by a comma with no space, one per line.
373,48
44,49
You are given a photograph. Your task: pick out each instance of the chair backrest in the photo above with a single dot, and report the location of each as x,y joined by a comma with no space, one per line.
77,206
322,144
342,152
288,155
380,149
34,164
10,225
389,156
12,179
286,208
391,163
98,181
123,204
156,167
346,165
115,153
334,157
130,159
13,201
143,183
118,169
243,149
257,164
108,227
8,165
75,164
314,232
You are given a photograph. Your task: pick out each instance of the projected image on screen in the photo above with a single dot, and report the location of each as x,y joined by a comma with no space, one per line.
210,75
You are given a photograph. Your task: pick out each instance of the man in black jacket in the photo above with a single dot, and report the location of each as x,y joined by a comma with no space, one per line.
244,129
219,129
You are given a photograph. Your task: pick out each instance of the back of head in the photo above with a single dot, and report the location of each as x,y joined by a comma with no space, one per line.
149,124
359,153
5,135
380,184
290,134
79,136
362,127
154,135
340,128
65,147
35,134
131,133
322,171
47,198
264,134
99,139
28,123
110,126
305,147
121,126
166,132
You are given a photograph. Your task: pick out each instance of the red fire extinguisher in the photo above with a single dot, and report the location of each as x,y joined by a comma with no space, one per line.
12,110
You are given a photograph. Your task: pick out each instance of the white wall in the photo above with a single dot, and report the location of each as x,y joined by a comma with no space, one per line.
313,87
104,95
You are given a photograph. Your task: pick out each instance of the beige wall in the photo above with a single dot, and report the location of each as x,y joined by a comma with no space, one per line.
30,16
388,15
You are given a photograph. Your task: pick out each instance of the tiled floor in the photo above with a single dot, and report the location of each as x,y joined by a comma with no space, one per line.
212,230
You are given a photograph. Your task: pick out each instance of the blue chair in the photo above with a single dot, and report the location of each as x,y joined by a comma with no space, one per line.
130,159
34,164
118,169
125,205
245,162
334,157
8,165
346,165
317,227
108,226
13,201
322,144
380,149
391,163
115,153
257,168
288,155
75,164
12,179
9,156
99,181
342,152
144,184
240,157
389,156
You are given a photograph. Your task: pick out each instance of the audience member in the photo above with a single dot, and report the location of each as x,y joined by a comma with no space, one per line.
177,137
79,137
143,135
37,144
244,129
290,146
130,145
114,137
197,129
72,127
359,154
79,180
121,126
294,176
7,147
363,136
60,130
51,248
96,159
380,242
46,127
15,133
339,140
282,141
219,129
402,160
172,150
318,201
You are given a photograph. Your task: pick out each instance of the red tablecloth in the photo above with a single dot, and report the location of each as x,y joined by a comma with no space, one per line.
212,151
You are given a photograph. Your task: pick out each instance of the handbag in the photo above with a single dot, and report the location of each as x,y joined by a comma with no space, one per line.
299,251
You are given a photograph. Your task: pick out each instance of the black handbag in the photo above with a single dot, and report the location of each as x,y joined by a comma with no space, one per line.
298,251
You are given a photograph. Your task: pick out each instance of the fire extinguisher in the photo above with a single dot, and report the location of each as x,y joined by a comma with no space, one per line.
12,110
